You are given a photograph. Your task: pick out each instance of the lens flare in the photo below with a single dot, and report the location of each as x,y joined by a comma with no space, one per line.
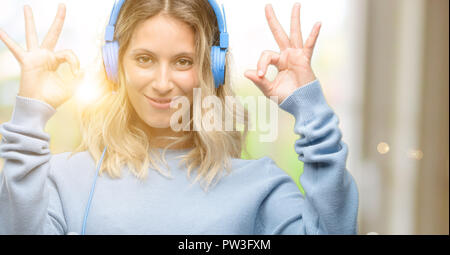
88,91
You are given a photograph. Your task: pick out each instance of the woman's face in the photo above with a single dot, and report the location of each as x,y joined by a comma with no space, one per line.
159,64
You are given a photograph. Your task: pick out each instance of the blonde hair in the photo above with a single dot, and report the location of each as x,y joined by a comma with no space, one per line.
110,120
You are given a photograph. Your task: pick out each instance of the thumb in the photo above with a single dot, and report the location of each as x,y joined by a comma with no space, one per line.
261,82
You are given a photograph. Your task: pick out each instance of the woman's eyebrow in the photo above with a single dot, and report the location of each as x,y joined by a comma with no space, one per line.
142,50
188,54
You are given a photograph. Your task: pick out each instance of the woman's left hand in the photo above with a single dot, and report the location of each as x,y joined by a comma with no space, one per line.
293,62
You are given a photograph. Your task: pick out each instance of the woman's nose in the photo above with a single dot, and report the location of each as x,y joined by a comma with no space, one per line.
163,83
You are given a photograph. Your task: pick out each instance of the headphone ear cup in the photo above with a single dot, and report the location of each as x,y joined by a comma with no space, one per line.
110,60
218,60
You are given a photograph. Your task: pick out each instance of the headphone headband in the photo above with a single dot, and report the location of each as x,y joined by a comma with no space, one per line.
221,22
110,29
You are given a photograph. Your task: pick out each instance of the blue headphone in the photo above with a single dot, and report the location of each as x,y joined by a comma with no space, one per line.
110,59
218,53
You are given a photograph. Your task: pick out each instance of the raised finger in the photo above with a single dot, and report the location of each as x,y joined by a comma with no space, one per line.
30,29
280,36
296,31
311,41
52,36
267,58
16,50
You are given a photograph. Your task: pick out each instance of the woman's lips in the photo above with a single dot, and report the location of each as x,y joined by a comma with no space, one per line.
159,102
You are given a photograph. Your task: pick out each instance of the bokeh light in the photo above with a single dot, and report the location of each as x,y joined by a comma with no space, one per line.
415,154
383,148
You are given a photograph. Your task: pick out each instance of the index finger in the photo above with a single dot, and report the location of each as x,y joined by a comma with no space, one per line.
277,31
52,36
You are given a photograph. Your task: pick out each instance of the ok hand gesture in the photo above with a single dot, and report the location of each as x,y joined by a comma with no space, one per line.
293,62
39,79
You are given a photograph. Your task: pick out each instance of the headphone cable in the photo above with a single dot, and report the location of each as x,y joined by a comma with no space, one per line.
88,206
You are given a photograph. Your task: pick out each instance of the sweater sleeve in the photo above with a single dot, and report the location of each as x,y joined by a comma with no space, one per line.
29,201
330,204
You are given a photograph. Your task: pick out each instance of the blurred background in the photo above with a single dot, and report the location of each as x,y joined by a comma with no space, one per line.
383,65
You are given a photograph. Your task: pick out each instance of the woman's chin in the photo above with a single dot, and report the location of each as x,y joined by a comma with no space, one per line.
159,125
156,120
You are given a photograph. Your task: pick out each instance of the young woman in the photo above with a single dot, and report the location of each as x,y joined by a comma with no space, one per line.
165,53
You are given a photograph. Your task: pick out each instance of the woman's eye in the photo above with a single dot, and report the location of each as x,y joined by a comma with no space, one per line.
143,59
184,62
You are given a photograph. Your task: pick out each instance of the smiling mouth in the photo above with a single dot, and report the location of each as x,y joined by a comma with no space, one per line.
161,100
160,103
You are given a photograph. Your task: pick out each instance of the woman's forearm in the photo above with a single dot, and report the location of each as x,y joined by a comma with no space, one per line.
24,193
331,191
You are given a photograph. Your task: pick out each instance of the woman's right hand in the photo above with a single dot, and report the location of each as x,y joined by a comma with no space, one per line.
39,79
